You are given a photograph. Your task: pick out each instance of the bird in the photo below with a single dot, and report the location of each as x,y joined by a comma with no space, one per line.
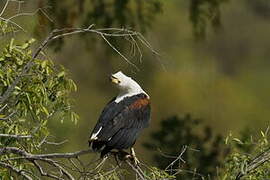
122,119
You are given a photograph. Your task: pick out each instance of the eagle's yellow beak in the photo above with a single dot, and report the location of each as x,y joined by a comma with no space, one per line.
114,80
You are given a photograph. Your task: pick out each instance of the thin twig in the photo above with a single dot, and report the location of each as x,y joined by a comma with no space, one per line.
116,50
178,158
2,108
30,14
4,8
43,173
136,170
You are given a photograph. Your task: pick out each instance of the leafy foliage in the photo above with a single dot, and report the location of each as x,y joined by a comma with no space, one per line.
205,151
156,174
41,94
5,28
244,150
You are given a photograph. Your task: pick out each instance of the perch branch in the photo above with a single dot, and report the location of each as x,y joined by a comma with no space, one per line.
26,155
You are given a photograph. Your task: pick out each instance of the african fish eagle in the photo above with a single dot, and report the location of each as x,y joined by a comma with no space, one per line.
123,118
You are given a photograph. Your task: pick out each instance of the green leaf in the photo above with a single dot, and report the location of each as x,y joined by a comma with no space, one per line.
11,44
25,45
44,64
61,74
31,41
8,55
238,140
45,110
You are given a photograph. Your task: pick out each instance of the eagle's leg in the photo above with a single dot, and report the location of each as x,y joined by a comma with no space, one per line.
120,155
133,155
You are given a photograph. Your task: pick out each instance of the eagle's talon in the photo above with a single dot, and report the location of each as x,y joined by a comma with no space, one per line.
133,157
135,160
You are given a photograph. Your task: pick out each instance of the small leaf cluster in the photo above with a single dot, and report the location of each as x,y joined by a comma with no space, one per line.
157,174
5,28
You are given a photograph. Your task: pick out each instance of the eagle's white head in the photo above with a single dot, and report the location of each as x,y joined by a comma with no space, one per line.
126,85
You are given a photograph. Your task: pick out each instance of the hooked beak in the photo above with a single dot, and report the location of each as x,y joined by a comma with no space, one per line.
114,80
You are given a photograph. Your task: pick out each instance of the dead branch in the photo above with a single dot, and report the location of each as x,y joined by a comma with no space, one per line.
5,7
16,136
26,155
43,173
178,158
137,170
45,141
46,158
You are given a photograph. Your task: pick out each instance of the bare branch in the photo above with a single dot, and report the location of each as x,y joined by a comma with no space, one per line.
56,165
47,158
26,155
16,136
30,14
45,141
116,50
4,8
138,172
2,108
43,173
178,158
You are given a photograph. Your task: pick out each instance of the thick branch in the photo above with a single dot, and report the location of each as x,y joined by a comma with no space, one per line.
26,155
46,158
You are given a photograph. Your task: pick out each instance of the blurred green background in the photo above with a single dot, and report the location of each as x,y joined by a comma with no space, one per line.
213,64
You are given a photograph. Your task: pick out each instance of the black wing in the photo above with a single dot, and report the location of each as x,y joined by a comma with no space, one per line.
120,123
